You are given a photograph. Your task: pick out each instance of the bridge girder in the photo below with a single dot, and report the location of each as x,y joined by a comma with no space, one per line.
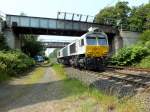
49,26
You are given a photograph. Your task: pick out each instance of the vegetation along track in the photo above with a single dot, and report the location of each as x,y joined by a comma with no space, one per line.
112,81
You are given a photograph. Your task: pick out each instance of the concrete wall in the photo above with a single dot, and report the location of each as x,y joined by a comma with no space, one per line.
129,38
118,42
12,40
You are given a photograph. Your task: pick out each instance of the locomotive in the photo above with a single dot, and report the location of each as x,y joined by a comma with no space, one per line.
88,52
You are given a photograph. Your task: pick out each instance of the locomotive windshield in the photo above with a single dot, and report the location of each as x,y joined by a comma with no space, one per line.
96,40
91,41
102,41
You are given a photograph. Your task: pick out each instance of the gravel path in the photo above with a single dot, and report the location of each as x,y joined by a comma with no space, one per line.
44,96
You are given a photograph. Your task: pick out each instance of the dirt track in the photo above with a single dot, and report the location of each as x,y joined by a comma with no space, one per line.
43,96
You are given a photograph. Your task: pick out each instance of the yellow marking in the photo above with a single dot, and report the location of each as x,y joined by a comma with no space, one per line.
96,51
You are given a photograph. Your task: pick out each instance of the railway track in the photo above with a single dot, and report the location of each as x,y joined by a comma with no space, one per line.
112,82
129,68
126,78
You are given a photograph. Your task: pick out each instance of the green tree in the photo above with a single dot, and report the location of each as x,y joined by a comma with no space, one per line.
106,16
31,46
122,12
110,15
140,17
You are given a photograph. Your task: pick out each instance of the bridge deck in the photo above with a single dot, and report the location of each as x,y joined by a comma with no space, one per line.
49,26
55,44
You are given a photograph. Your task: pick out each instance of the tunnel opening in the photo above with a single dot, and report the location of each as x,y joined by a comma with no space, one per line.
111,43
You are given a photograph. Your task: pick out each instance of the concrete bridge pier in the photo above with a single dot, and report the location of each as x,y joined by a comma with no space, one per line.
118,41
13,40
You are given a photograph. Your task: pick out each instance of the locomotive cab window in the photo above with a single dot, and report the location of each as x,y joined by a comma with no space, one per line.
73,48
102,41
91,41
82,42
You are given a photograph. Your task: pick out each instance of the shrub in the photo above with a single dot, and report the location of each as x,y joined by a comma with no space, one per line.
14,62
129,55
145,62
145,36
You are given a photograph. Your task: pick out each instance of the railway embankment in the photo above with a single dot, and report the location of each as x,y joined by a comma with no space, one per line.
128,93
94,100
102,81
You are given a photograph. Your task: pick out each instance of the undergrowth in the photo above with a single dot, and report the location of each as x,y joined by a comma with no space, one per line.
93,98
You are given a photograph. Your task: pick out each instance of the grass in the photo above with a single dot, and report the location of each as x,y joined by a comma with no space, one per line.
4,76
145,63
90,99
35,75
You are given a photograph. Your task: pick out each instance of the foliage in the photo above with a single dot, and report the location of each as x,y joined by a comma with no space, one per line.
13,62
91,97
145,62
3,45
140,17
129,55
31,46
4,76
106,16
136,54
110,14
135,18
145,37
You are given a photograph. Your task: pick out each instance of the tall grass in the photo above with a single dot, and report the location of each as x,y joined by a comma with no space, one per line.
98,99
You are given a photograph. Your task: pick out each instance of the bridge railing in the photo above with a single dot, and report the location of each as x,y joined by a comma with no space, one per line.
53,24
47,23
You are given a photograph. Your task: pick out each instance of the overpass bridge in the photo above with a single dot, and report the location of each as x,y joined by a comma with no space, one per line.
17,25
55,43
49,26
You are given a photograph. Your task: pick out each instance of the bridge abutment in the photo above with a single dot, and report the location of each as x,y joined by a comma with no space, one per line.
124,39
129,38
118,42
12,39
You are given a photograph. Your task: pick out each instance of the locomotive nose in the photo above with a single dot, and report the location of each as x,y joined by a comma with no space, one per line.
96,51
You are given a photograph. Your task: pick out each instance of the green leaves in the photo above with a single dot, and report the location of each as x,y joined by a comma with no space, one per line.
110,15
145,62
134,19
14,61
145,36
129,55
31,46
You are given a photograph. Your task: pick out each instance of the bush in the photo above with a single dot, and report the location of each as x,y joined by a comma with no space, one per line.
145,62
145,36
14,62
129,55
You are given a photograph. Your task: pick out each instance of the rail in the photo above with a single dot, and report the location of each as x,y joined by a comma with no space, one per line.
130,68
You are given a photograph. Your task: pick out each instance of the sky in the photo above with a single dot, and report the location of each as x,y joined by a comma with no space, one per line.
49,8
